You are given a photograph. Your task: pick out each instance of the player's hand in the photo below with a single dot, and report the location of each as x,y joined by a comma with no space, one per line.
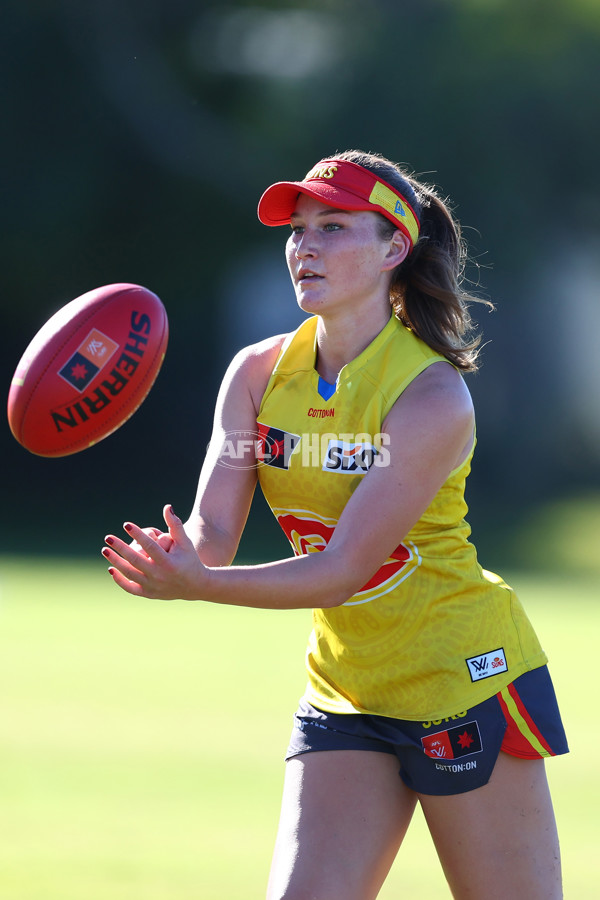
162,538
159,565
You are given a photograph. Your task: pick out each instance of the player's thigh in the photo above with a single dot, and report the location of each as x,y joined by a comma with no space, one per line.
499,840
344,814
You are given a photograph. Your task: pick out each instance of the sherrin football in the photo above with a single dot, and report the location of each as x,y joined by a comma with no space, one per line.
87,369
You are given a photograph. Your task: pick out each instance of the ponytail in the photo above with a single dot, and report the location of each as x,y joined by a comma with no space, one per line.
426,292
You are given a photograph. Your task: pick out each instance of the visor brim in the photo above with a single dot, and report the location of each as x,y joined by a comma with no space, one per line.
278,202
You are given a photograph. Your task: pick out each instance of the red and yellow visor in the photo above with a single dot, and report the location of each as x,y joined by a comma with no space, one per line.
343,185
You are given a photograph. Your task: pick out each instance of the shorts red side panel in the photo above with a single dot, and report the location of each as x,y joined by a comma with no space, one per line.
522,738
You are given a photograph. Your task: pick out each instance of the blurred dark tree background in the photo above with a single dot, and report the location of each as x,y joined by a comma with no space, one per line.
138,137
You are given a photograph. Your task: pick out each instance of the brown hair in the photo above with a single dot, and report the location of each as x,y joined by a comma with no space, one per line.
425,292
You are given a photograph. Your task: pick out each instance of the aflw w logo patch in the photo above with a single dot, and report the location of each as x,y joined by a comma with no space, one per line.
487,664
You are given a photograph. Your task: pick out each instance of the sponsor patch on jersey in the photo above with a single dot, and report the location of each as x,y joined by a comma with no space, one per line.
487,664
454,742
275,446
317,413
350,457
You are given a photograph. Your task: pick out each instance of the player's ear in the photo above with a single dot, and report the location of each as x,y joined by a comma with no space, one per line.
398,250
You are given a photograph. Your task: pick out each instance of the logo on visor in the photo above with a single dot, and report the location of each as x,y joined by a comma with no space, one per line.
399,209
321,172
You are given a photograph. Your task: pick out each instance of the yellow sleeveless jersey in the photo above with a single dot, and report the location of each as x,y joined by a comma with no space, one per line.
431,633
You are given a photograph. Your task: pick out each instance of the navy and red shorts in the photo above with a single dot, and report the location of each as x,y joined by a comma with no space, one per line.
452,755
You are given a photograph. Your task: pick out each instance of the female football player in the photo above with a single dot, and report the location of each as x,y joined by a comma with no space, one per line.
426,681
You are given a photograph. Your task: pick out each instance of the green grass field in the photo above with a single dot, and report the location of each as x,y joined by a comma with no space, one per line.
134,764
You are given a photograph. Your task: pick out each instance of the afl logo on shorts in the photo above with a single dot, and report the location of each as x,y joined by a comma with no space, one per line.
454,742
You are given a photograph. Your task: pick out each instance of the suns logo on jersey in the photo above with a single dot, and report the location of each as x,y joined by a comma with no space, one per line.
310,533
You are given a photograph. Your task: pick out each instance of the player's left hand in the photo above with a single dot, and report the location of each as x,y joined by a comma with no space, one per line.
163,538
159,565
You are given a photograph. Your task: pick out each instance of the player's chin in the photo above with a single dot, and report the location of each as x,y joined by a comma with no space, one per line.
310,301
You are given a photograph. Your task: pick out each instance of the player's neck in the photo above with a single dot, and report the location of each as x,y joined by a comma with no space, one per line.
339,342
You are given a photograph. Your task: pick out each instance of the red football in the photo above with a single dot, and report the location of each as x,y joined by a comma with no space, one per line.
87,369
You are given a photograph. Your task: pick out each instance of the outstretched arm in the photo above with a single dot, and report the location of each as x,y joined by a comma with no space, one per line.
430,431
226,484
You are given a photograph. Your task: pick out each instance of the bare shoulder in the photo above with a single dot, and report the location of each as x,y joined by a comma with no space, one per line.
435,416
263,353
442,390
257,360
251,367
